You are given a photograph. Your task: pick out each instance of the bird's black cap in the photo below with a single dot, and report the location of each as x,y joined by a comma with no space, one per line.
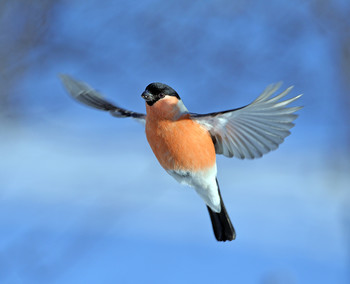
157,91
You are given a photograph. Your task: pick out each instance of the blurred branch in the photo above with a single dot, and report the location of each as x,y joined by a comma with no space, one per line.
345,72
23,25
335,16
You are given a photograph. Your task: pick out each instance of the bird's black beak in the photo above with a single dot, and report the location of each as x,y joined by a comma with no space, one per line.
147,96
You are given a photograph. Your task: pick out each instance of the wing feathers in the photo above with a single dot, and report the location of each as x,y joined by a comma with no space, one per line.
86,95
255,129
246,132
280,96
268,92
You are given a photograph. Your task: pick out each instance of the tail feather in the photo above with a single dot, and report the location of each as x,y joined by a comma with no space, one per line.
222,226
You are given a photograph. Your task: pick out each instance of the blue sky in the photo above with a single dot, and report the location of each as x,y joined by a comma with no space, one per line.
82,198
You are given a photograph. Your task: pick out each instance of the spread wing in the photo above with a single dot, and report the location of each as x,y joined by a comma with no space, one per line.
83,93
254,130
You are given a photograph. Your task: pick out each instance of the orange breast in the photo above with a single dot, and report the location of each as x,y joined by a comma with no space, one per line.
180,145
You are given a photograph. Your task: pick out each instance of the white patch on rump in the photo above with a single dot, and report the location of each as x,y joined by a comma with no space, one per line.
204,182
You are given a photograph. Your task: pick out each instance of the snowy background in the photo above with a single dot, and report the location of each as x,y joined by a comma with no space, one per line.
83,199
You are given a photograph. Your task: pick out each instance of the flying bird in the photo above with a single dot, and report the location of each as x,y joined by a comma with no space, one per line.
185,144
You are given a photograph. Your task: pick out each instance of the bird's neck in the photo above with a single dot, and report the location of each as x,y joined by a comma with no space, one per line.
169,108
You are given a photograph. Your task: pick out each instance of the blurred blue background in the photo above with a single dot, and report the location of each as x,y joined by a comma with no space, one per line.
83,199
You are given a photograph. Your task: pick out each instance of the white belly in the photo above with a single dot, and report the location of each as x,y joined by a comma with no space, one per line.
204,182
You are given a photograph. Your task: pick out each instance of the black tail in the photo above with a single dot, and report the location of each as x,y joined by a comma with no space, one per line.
221,222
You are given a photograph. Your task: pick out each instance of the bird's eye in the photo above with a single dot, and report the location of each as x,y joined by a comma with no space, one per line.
161,95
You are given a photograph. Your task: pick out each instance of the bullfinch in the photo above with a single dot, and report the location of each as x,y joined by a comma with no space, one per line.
185,144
